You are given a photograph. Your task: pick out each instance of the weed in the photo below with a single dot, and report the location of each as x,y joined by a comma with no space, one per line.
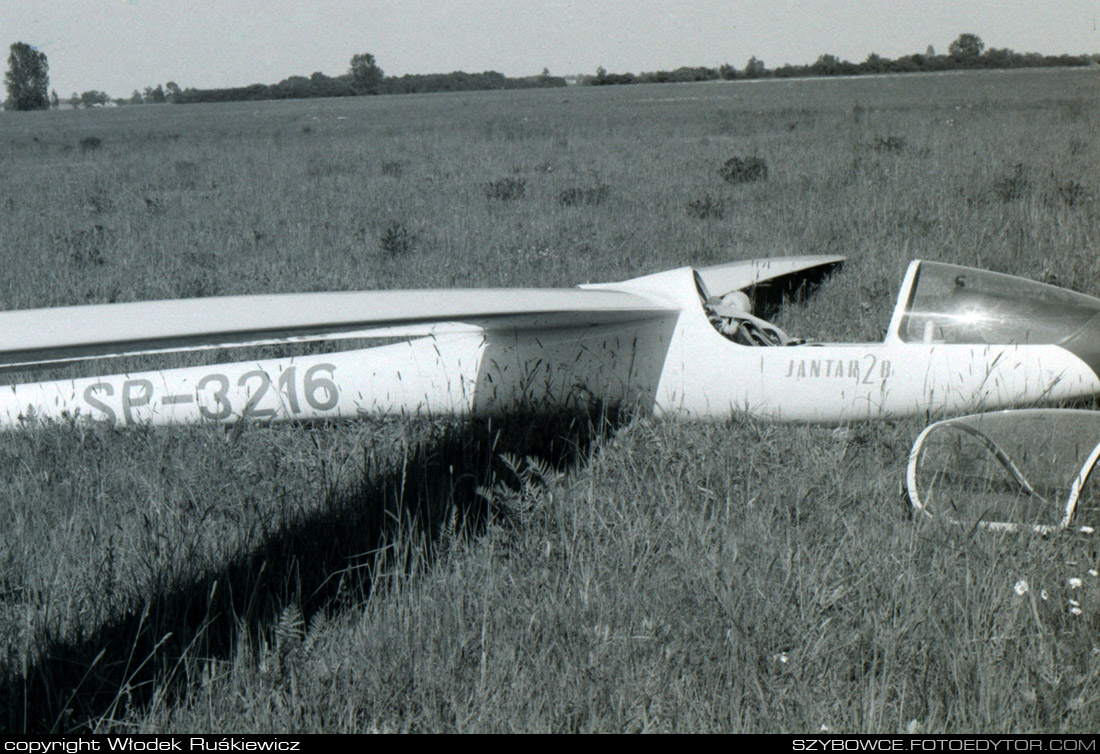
707,207
86,248
505,189
90,143
1072,193
397,240
393,168
514,500
1012,186
92,257
889,144
592,196
99,203
199,284
744,170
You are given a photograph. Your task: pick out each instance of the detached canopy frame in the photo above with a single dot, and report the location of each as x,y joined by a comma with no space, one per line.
1037,454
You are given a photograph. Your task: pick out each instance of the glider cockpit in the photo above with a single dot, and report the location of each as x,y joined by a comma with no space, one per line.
732,315
944,303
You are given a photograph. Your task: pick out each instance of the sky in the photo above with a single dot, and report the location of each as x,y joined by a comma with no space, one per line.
121,45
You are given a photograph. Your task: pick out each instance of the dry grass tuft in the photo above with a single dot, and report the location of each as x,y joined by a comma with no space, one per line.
397,241
506,189
744,170
590,196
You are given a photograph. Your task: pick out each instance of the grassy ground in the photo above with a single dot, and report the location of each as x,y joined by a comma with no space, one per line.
558,573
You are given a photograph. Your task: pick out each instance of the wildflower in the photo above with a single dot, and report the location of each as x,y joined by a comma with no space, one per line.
1021,587
1075,583
1075,603
1044,595
1075,610
1094,572
1087,530
781,657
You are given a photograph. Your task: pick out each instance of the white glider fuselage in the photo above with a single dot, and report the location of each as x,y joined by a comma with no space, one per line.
707,376
659,352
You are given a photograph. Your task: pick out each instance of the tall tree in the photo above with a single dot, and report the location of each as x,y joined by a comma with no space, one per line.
94,98
755,69
966,47
366,76
27,79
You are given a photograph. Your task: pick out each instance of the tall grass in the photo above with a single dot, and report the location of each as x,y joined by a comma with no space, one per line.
631,575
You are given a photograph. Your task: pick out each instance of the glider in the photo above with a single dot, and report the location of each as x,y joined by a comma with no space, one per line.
690,343
1026,469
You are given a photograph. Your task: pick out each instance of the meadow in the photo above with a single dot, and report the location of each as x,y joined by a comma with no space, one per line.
596,572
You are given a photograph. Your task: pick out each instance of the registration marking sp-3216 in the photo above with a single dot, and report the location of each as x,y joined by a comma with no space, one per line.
295,392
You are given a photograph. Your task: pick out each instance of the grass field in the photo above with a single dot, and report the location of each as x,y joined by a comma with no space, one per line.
604,572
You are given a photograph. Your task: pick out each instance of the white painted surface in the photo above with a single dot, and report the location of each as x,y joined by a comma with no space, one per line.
646,341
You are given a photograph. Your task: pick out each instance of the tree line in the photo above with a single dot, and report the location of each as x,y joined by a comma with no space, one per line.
365,77
28,81
966,52
27,78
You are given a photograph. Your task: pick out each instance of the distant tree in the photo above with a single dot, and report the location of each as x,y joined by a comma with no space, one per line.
136,98
320,85
1004,58
727,72
154,95
27,79
874,63
603,78
172,91
55,101
826,65
74,100
966,48
754,69
366,76
94,98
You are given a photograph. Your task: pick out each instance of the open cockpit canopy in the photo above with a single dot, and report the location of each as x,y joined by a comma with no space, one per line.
1029,468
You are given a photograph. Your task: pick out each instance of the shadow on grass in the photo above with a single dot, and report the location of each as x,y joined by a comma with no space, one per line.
321,561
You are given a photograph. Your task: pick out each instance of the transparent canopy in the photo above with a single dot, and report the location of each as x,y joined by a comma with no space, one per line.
951,304
1028,468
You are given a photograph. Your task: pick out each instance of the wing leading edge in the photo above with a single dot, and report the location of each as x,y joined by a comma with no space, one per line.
36,337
